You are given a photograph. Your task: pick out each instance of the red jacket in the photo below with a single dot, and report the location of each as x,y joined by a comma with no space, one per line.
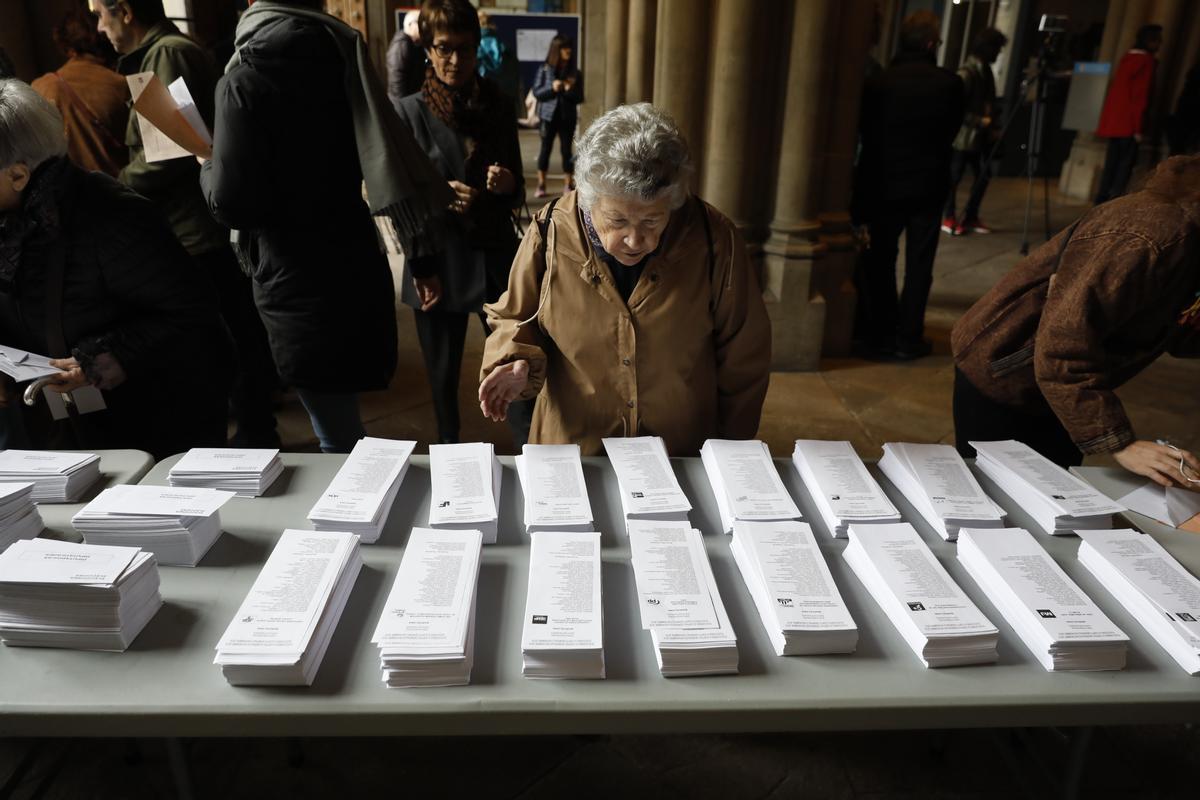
1124,111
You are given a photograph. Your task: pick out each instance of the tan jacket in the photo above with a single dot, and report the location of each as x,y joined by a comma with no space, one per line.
92,100
665,365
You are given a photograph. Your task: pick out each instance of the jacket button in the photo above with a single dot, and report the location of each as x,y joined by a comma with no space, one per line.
626,361
630,404
596,279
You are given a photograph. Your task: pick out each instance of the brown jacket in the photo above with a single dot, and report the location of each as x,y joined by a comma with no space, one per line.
1092,308
92,100
664,365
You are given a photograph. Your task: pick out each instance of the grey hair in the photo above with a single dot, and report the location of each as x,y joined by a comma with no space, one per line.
31,129
632,151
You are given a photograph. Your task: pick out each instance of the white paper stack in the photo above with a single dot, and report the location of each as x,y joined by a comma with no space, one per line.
937,481
937,620
360,496
465,488
556,497
793,590
563,634
1058,501
19,517
75,596
177,524
648,487
56,477
839,483
279,635
426,634
745,482
1152,586
679,601
1059,624
246,472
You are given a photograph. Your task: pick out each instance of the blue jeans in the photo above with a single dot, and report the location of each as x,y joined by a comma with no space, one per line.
335,419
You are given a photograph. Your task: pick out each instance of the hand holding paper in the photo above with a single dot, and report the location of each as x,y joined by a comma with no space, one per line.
171,125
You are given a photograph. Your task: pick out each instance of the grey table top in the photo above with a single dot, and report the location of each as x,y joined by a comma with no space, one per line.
116,467
166,684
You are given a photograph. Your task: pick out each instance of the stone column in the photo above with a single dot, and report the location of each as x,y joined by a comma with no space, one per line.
681,68
616,26
639,65
594,51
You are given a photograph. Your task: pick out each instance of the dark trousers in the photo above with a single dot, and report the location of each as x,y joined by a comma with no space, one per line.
885,314
981,169
1118,167
565,133
979,418
255,379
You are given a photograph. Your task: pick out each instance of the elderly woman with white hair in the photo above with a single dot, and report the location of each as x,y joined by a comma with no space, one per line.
92,276
632,308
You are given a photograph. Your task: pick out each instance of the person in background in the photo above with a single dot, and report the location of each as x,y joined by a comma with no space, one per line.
558,88
1041,356
301,80
132,316
405,61
1123,118
632,308
1183,129
89,95
973,144
497,63
149,42
466,126
910,115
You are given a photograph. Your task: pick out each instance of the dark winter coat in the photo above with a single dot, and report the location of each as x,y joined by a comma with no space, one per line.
285,171
566,102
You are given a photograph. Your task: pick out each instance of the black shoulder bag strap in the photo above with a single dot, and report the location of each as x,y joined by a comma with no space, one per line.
544,224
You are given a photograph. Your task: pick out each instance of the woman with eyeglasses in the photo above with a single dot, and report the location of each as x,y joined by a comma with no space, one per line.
1041,356
467,127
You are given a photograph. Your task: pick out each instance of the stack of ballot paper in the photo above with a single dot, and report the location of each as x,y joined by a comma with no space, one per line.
56,477
247,472
360,496
279,635
645,479
937,620
563,634
745,482
1057,500
793,590
556,497
939,484
22,366
19,517
178,525
1152,586
426,634
1059,624
841,486
75,596
465,488
679,601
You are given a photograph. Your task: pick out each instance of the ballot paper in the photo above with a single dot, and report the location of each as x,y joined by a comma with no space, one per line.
647,484
426,632
563,633
248,472
361,494
793,589
1170,505
745,482
937,481
56,477
1059,624
75,596
19,516
167,118
22,366
281,631
1152,586
937,620
465,488
840,485
1059,502
556,496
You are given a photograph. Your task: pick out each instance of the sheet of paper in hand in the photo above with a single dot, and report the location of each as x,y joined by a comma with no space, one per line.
171,126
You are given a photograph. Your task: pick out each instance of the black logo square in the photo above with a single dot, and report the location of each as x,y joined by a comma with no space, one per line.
916,606
1046,613
540,619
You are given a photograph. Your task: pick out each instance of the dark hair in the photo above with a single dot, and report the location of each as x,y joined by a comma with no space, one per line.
76,33
555,53
1147,34
919,29
447,16
987,41
146,12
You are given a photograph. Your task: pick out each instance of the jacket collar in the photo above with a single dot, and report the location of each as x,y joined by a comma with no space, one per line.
131,62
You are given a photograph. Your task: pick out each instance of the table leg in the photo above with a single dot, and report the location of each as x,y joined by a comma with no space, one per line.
179,768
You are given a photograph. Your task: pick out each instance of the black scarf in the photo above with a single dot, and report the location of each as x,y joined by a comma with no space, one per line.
471,112
35,222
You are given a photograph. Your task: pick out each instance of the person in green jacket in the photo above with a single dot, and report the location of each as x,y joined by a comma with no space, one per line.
149,42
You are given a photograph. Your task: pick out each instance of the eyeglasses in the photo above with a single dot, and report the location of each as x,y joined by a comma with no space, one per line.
444,51
1187,472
